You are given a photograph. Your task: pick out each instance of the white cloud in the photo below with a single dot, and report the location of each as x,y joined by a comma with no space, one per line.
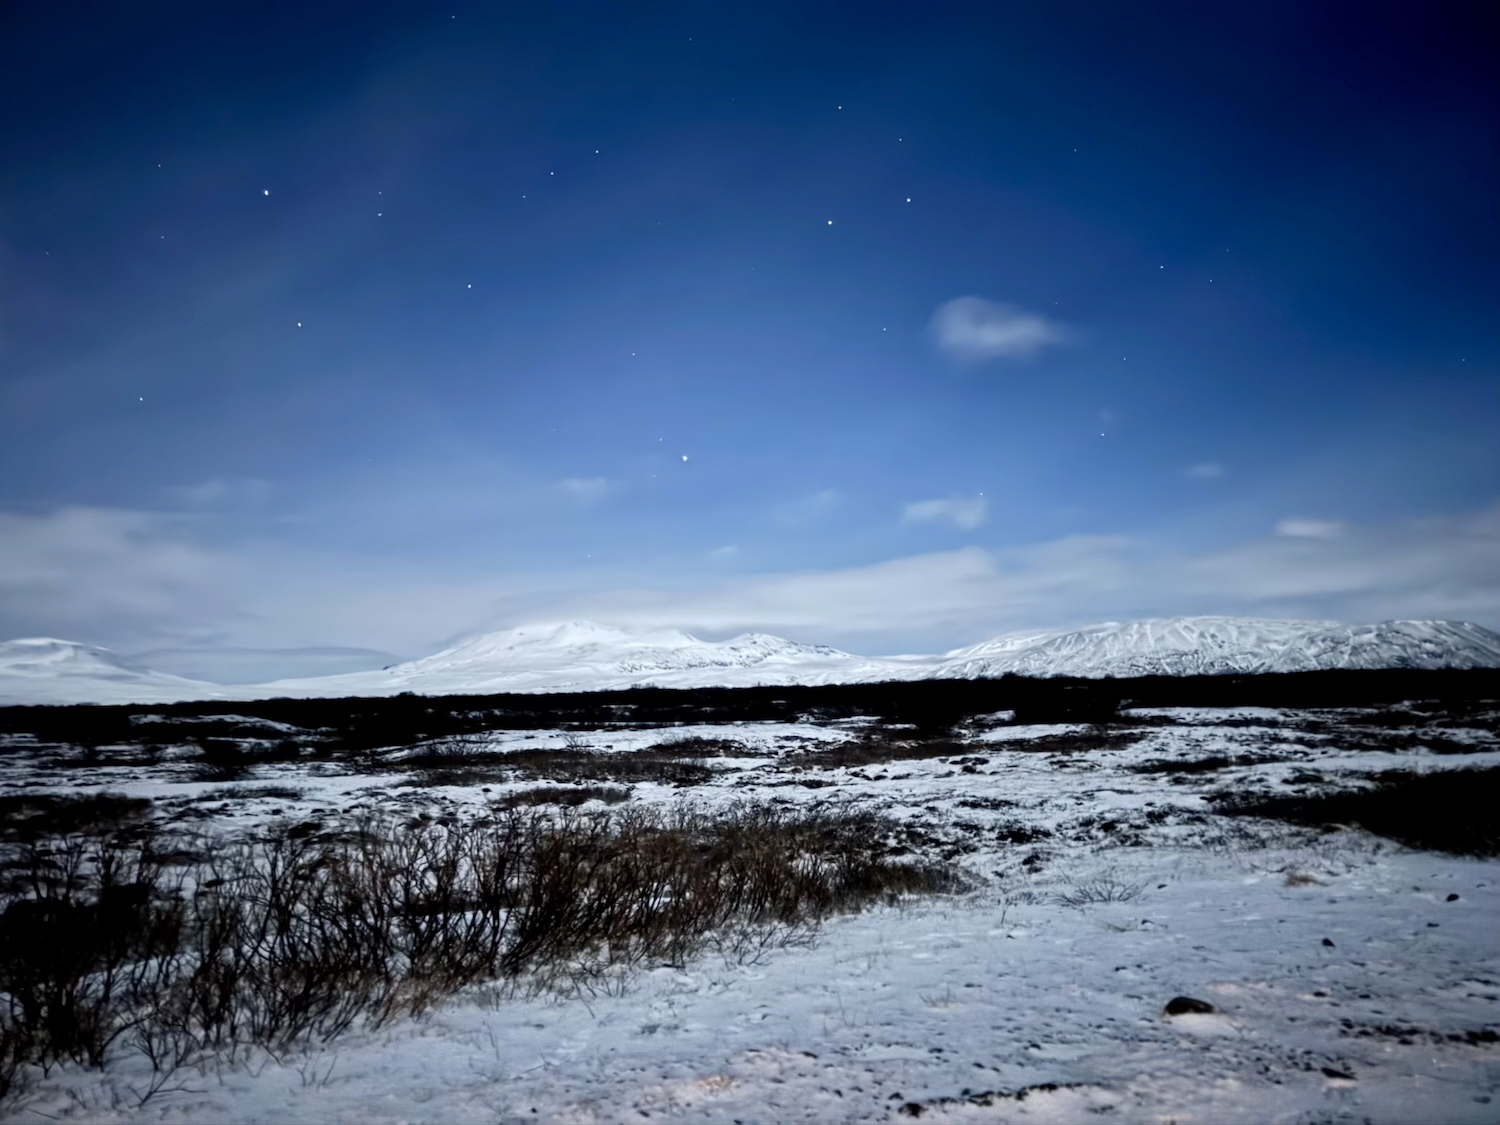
1206,470
137,580
220,492
967,512
97,573
807,509
1434,568
973,330
1301,528
587,490
728,551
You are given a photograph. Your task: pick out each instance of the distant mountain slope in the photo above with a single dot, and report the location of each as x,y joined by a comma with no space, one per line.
1188,646
584,656
47,670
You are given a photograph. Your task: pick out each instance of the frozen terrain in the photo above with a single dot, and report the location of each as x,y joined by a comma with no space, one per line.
1353,979
46,670
1187,646
584,656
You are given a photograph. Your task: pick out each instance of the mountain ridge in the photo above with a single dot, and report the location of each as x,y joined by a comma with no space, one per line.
588,656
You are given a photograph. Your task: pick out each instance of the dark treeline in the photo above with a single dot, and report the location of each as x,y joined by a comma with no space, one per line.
356,724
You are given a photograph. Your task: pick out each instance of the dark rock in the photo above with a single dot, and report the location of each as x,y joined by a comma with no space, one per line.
1452,898
1186,1005
1328,943
1330,1072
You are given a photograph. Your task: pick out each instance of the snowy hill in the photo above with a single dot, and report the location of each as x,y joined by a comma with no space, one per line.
46,670
1186,646
584,656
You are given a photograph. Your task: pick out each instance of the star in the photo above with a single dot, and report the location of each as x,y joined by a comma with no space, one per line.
266,192
830,222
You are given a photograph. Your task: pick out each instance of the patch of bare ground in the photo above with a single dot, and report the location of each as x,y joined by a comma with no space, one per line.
1455,811
1205,765
565,796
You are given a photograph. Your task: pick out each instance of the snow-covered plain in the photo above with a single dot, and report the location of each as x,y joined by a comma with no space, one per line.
1354,980
586,656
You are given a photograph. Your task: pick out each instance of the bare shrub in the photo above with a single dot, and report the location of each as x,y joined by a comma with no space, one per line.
1105,888
292,938
662,765
879,745
699,746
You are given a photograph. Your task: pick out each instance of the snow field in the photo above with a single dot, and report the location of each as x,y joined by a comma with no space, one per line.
1103,892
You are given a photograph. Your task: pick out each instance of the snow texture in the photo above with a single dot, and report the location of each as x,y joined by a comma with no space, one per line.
583,656
1352,980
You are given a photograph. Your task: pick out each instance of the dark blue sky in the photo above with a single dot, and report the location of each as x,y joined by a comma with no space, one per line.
361,326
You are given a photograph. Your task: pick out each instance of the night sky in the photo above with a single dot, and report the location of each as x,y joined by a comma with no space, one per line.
330,333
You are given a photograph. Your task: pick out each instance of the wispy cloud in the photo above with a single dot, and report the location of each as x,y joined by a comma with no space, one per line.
966,512
1431,568
1296,527
588,490
1205,470
220,492
973,330
809,508
103,573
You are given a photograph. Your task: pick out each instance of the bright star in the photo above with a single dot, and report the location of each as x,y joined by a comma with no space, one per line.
266,192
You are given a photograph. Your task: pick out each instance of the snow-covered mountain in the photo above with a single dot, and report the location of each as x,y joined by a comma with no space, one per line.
47,670
1187,646
583,656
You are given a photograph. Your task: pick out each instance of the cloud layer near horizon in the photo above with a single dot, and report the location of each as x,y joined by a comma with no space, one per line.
140,580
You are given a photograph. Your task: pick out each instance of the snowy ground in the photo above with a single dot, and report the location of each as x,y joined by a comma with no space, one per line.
1353,979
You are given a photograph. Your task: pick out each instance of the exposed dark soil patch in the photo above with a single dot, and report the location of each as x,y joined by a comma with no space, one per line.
1205,765
568,797
1455,811
28,817
1406,1035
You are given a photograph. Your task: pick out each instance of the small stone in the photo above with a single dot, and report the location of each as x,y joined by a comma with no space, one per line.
1452,898
1328,943
1186,1005
1330,1072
